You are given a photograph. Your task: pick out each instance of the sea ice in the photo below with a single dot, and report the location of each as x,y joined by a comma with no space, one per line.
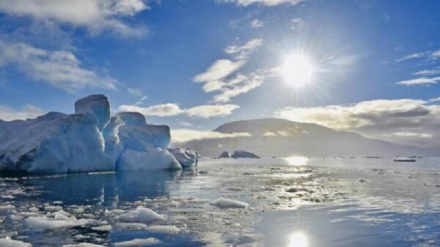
141,215
163,229
43,223
83,245
138,242
228,203
5,242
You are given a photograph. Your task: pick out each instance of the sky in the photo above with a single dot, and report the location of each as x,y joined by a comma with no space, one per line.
366,66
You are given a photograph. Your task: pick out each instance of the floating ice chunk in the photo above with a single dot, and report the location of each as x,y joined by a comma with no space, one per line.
96,105
186,158
6,207
61,215
43,223
138,242
141,215
7,196
156,159
5,242
83,245
164,229
131,226
104,228
52,208
228,203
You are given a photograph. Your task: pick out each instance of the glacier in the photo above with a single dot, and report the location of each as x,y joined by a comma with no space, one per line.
89,140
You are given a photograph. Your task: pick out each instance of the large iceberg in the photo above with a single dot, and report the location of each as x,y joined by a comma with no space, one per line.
88,140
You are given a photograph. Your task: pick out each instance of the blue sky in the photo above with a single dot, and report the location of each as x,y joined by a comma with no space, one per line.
196,64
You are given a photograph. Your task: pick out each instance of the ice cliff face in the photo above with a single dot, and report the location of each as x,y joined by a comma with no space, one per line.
89,140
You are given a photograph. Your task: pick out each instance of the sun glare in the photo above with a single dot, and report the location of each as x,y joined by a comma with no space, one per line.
298,239
297,70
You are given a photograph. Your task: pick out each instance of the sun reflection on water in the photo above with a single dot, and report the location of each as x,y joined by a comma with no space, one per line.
298,239
297,160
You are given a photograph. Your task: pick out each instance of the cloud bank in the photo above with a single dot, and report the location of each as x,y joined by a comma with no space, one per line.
184,135
59,68
408,121
170,109
94,15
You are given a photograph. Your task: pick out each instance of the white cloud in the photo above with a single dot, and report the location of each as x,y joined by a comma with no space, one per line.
184,135
261,2
239,85
135,92
256,23
163,110
208,111
297,24
219,70
169,109
411,56
427,72
220,77
377,119
419,81
435,54
243,52
61,68
434,100
95,15
411,134
28,111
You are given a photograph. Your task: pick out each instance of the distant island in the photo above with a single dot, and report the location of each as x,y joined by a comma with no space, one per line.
278,137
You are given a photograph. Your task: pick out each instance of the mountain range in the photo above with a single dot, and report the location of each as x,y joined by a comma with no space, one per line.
278,137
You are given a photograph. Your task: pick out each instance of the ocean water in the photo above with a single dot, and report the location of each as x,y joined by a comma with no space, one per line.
231,202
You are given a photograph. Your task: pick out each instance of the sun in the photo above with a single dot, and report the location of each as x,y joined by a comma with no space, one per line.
297,69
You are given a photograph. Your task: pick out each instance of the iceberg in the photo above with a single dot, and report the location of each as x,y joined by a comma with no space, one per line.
88,140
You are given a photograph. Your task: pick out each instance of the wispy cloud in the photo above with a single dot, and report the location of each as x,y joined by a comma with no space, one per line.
428,72
239,85
216,72
268,3
135,92
223,78
420,81
256,23
170,109
94,15
163,110
377,119
184,135
297,24
60,68
243,52
411,56
208,111
28,111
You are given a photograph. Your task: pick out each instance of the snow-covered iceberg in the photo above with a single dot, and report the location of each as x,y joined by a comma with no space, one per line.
88,140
